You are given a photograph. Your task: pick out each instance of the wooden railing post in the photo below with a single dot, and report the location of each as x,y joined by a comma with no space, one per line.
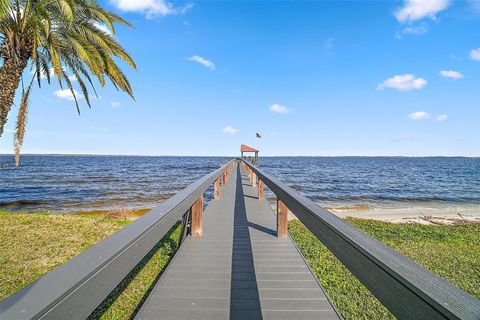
224,179
282,220
197,219
216,187
254,179
261,191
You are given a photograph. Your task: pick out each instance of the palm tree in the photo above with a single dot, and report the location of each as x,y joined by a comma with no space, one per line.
64,39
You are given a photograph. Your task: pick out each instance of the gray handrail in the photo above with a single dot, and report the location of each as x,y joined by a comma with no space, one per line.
74,289
407,289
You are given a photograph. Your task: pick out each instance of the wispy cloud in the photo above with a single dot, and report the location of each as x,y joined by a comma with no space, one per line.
474,6
414,10
475,54
278,108
405,82
151,8
205,62
229,130
329,43
419,115
451,74
115,104
413,30
402,139
442,117
66,94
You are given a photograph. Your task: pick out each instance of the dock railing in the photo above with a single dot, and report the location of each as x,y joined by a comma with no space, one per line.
406,289
73,290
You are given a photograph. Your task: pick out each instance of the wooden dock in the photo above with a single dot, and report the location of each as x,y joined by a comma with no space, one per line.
238,268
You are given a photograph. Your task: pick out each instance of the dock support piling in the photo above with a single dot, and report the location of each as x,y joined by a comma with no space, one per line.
197,218
216,194
282,220
261,191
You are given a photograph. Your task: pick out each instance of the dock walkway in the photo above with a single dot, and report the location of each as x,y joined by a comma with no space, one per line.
238,268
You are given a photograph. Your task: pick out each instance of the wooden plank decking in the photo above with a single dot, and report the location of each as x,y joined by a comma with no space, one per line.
238,268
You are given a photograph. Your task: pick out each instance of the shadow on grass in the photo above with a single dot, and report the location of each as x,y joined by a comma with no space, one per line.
170,245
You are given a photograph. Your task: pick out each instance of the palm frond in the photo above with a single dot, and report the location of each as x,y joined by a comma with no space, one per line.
4,7
21,125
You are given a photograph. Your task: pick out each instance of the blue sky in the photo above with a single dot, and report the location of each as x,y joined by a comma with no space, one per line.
313,78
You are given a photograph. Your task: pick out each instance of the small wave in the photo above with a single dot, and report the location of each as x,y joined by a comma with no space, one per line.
296,187
19,203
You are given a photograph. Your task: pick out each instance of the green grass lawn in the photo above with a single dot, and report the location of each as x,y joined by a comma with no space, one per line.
452,252
33,244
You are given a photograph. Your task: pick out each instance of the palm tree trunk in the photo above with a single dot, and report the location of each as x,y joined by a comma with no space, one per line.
10,75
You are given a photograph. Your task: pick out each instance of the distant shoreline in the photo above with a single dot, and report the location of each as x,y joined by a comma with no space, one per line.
233,156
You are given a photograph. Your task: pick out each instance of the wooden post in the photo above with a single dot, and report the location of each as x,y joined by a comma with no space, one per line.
197,213
254,179
261,191
282,220
223,179
216,187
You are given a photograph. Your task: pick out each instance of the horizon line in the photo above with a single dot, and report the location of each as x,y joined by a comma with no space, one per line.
238,156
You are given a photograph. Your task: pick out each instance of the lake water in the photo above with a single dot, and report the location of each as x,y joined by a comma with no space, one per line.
350,184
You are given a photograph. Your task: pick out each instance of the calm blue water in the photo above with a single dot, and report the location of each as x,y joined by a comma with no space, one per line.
73,183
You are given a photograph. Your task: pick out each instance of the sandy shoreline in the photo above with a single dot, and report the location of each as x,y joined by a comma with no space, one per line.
426,216
422,215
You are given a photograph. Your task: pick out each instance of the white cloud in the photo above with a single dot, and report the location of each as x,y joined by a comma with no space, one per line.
405,82
52,74
442,117
414,10
151,8
115,104
66,94
451,74
475,54
103,27
43,75
230,130
413,30
278,108
419,115
205,62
